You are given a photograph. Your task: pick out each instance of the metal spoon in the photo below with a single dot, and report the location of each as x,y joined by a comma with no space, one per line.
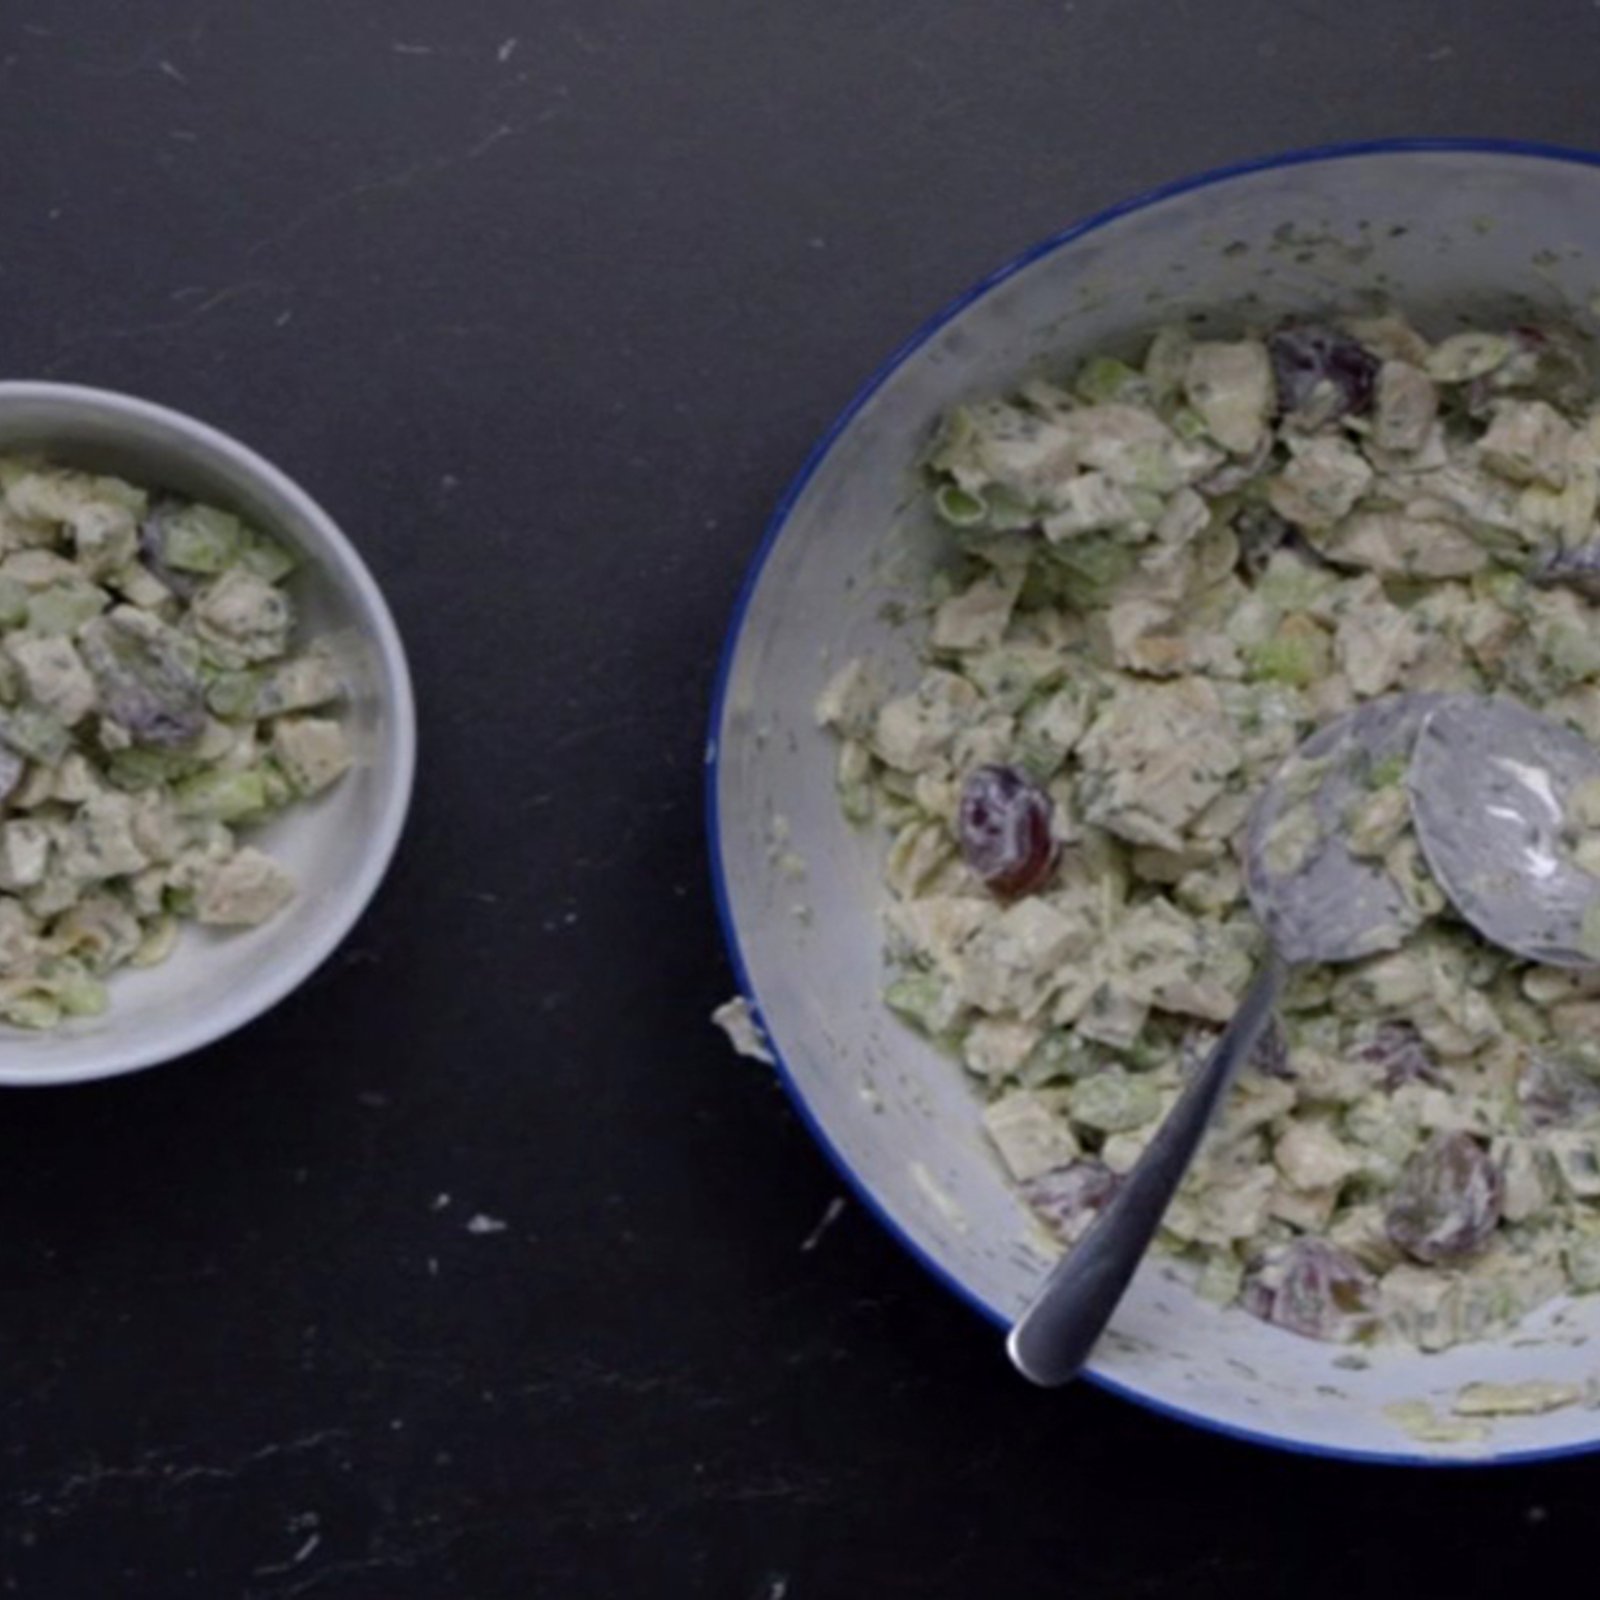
1492,786
1317,902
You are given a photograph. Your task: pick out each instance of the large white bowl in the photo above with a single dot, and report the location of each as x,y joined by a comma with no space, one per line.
1446,228
338,846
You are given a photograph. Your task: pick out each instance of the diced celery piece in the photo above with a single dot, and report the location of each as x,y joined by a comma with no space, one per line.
235,695
1113,1102
202,539
1103,378
63,608
145,766
78,993
1060,1055
267,557
1299,654
225,796
276,784
1090,568
959,508
924,1000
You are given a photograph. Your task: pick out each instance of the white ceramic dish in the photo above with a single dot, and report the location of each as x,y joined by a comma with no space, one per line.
338,846
1444,228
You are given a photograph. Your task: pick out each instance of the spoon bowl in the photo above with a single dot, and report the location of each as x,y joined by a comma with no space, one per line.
1317,899
1496,795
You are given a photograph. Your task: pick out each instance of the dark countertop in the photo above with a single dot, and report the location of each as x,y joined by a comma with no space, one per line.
545,300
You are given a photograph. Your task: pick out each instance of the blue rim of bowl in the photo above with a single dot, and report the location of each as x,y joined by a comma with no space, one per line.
774,529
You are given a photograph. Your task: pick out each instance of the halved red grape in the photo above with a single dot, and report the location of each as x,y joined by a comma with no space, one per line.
1067,1197
147,678
1398,1049
1321,374
1446,1203
1005,830
1312,1288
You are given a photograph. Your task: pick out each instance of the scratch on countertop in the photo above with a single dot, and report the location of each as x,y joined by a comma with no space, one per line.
155,53
303,1554
161,1469
380,1560
835,1210
73,342
392,182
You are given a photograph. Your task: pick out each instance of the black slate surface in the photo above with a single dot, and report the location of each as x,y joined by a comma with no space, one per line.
546,300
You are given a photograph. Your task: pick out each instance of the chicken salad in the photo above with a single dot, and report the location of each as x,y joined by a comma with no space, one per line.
1166,572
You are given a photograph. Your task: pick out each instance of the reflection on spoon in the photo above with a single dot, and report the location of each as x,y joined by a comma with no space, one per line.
1494,791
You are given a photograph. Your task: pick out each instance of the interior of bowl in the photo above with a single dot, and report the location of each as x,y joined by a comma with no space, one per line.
338,845
1445,232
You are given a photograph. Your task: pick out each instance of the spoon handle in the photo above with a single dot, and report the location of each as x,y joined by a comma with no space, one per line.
1052,1339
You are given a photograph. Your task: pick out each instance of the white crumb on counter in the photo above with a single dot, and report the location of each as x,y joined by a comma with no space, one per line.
1529,1399
738,1021
483,1223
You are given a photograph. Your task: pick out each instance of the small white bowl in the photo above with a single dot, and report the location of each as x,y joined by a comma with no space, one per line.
1446,228
337,846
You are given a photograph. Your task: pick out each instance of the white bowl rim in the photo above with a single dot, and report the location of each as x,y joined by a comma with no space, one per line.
355,895
1340,151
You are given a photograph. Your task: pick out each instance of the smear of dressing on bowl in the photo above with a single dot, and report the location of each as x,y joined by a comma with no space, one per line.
1531,1399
